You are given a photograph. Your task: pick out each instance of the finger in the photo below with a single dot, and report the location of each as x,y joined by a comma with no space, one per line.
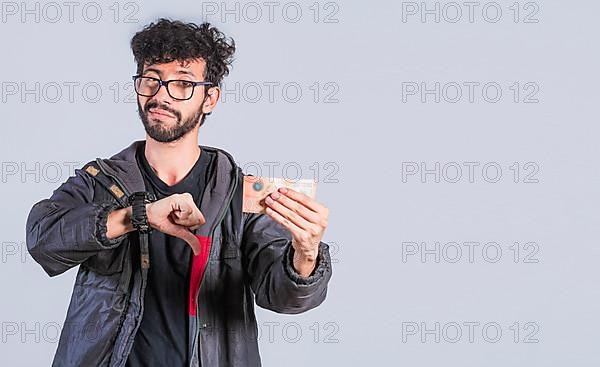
193,217
194,221
191,240
196,218
185,234
284,222
287,213
182,203
194,227
306,200
184,207
182,214
297,207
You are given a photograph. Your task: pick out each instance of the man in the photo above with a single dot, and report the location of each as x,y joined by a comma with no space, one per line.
170,265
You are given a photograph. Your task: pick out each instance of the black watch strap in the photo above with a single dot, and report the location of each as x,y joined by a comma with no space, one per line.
139,218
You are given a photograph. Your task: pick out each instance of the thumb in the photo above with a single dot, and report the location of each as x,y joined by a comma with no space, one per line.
186,235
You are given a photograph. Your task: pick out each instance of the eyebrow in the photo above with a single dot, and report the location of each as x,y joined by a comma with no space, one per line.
179,72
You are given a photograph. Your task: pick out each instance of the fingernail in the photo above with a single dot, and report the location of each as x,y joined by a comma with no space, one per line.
275,195
283,190
268,200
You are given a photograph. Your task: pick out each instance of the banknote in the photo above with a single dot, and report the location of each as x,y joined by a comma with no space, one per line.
257,188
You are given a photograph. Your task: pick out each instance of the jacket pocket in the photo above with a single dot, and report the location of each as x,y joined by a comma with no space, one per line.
229,248
110,261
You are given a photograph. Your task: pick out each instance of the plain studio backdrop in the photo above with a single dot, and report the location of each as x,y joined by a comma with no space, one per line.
456,144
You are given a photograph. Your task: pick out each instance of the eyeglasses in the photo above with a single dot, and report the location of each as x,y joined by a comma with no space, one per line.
178,89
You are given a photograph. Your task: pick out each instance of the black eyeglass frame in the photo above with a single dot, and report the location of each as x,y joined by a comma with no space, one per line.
165,83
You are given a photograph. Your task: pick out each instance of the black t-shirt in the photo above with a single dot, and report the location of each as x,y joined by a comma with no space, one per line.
162,339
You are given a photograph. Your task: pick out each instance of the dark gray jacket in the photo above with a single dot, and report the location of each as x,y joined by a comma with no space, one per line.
249,259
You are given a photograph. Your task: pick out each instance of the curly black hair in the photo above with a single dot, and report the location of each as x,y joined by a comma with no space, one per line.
172,40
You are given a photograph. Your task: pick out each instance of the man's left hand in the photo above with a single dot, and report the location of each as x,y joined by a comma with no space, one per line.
305,218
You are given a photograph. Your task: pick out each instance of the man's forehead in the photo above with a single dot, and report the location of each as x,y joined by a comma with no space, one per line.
193,67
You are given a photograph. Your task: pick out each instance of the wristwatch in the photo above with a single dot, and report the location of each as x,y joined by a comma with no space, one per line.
139,218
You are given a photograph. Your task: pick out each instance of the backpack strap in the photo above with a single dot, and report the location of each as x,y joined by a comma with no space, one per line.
108,183
118,193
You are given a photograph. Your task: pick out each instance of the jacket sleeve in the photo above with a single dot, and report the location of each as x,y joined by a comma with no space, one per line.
277,286
68,228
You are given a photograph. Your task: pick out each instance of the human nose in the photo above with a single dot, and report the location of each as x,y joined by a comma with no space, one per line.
162,95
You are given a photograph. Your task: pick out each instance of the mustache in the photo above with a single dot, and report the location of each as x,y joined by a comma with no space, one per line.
153,104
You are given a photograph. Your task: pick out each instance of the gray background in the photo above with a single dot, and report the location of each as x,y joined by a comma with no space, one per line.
386,305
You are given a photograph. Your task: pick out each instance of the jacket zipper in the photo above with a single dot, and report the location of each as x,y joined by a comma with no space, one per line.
218,223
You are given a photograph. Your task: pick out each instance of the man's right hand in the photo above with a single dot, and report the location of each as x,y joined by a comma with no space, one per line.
177,215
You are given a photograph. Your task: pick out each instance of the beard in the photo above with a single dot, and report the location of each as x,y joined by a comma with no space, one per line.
159,131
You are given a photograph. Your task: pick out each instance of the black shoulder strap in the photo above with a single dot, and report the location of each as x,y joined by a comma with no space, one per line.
108,183
118,192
